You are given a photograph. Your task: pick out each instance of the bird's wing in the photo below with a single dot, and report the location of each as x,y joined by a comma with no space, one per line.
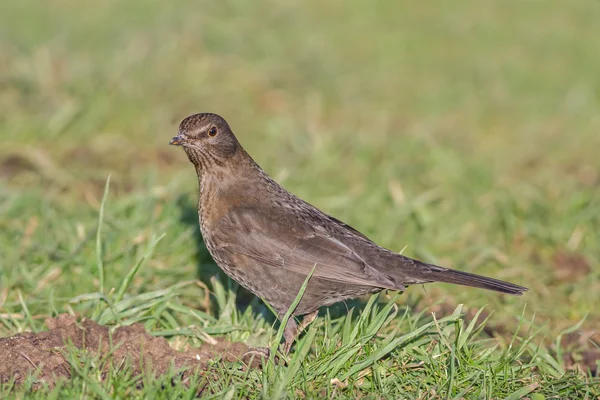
297,247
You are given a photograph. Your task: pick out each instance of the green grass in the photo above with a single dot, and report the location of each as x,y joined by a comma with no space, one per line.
466,132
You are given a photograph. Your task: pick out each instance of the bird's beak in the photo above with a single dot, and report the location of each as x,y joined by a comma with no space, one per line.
177,140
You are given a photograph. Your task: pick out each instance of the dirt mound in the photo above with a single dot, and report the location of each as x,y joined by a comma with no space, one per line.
43,354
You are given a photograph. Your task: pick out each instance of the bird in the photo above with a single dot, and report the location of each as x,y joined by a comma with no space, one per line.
269,240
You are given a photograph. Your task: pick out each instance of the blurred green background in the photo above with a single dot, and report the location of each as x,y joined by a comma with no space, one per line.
466,131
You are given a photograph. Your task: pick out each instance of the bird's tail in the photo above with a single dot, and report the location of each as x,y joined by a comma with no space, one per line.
438,274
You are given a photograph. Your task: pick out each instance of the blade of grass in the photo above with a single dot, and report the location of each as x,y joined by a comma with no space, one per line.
99,255
136,267
26,310
300,354
524,391
382,351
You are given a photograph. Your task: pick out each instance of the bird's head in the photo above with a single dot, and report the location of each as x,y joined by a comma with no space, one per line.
206,139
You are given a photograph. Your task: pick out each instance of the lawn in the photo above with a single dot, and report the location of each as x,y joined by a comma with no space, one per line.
466,134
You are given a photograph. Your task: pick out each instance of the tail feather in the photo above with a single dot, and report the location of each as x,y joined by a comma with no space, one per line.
438,274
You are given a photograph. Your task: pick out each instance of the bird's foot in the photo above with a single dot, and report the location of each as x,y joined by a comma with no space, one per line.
256,356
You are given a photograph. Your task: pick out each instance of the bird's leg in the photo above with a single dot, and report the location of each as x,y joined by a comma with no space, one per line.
306,321
255,355
289,334
292,330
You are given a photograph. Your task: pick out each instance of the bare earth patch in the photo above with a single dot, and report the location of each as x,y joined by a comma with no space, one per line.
570,267
43,354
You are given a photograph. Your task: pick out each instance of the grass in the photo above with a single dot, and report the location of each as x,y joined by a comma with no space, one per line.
466,133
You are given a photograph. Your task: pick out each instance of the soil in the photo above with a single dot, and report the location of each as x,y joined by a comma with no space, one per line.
570,267
12,165
44,354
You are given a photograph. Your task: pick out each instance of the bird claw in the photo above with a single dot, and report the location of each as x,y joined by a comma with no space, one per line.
256,356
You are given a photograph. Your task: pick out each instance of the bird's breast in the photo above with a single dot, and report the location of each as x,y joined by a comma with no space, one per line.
217,200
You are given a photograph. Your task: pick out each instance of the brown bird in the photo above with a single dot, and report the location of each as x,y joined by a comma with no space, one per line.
269,240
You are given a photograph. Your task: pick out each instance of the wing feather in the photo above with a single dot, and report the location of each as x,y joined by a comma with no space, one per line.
274,242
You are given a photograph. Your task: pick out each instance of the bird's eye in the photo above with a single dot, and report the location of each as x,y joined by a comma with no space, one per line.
212,132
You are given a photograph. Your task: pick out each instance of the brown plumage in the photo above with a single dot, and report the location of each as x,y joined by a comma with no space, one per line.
268,240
